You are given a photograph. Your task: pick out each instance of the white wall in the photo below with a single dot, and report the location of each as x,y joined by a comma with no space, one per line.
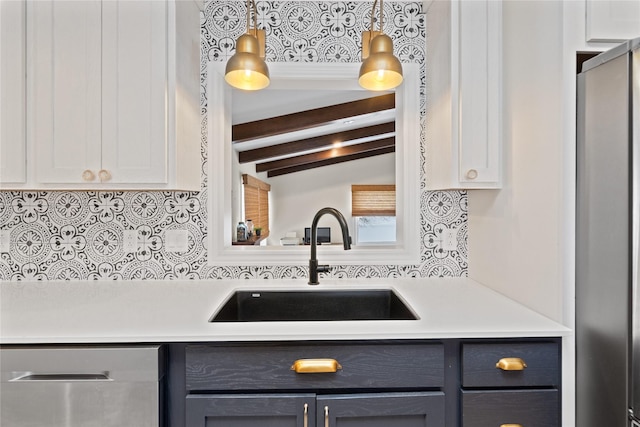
295,198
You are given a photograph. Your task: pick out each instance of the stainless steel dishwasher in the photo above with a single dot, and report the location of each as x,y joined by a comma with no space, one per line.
81,386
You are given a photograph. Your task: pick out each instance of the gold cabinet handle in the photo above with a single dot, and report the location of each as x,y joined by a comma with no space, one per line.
510,425
511,364
326,416
315,366
305,421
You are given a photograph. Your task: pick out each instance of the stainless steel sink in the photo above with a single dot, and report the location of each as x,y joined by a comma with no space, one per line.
324,305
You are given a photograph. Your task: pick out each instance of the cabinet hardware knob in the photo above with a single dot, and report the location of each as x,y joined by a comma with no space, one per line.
510,425
104,175
315,366
326,416
88,175
306,415
511,364
472,174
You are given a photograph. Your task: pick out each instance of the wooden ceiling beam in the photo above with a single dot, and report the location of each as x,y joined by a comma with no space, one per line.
311,118
326,155
331,161
314,143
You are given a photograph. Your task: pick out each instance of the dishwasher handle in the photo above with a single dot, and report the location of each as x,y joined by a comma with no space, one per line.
62,377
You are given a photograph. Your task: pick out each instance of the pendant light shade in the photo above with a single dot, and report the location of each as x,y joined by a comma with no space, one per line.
246,69
380,69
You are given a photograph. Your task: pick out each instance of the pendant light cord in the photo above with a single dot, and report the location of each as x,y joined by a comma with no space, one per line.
373,12
255,17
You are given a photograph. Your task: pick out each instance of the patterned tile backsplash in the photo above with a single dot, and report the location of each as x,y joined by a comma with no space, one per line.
78,235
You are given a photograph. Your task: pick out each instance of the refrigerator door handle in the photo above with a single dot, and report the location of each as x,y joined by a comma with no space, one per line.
634,387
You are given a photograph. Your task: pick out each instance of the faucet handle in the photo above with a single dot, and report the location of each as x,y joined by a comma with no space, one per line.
324,268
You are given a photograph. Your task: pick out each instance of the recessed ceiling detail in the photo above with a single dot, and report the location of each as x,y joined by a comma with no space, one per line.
348,131
327,157
318,142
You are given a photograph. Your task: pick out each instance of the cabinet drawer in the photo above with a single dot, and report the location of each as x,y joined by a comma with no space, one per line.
268,367
540,408
479,364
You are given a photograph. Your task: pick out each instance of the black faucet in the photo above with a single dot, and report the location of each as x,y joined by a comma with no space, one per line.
314,268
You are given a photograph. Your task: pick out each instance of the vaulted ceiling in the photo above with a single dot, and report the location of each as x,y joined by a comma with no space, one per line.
318,137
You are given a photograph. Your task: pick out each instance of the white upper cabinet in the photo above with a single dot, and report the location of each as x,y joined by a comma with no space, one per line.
134,76
612,20
64,90
464,90
12,93
113,94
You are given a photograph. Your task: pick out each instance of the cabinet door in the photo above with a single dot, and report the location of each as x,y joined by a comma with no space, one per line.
540,408
381,410
250,410
134,91
479,92
63,90
12,93
464,108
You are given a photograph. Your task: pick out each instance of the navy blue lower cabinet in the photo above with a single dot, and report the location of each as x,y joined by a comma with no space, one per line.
250,410
511,383
424,409
486,408
315,384
386,383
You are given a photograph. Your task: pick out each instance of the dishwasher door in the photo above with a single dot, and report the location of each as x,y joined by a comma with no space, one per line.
81,386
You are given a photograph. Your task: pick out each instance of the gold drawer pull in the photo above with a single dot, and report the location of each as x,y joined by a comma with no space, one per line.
511,364
313,366
510,425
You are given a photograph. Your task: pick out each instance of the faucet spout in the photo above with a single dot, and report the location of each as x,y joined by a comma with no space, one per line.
314,268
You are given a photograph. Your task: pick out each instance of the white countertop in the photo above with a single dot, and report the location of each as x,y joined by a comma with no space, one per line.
174,311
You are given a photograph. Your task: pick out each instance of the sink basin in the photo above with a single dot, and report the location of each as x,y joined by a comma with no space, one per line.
291,306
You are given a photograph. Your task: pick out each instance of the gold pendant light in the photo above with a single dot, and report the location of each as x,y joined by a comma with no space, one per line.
247,69
380,69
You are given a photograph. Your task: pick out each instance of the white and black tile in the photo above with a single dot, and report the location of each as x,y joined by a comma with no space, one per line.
74,235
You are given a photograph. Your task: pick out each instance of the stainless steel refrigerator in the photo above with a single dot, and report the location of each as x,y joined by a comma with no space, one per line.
608,239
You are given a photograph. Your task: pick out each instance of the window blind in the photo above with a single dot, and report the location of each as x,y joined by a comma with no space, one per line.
256,202
373,200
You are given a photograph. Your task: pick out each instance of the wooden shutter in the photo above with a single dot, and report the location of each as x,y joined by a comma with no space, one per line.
256,202
373,200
